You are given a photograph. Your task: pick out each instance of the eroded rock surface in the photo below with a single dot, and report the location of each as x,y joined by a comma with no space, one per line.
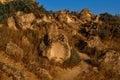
25,20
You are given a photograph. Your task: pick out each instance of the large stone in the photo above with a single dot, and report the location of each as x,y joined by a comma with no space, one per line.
85,15
111,62
63,16
44,18
11,23
53,31
95,42
4,1
25,20
1,25
58,52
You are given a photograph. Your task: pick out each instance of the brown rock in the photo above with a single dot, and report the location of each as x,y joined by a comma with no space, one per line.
4,1
95,42
58,52
11,23
111,64
85,15
25,20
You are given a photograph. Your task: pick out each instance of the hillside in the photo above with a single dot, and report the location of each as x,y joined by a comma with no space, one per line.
36,44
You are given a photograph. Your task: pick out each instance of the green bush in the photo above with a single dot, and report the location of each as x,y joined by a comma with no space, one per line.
26,6
111,26
104,32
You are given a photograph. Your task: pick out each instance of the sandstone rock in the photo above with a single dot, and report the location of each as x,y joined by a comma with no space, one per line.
111,62
25,20
59,49
53,31
63,16
1,25
4,1
11,23
97,19
58,52
44,18
85,15
13,50
69,19
95,42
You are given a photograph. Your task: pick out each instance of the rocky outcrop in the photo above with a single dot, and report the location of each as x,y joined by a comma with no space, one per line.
112,61
58,47
58,52
111,65
95,42
25,21
64,16
85,15
5,1
11,23
36,44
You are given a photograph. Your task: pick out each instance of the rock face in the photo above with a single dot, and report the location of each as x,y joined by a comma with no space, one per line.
95,42
59,49
58,52
25,20
11,23
86,15
4,1
112,60
66,14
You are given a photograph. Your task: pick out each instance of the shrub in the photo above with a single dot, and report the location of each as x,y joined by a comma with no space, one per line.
26,6
81,45
111,25
73,60
104,32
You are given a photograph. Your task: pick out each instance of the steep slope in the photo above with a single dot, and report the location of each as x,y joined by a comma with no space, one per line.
36,44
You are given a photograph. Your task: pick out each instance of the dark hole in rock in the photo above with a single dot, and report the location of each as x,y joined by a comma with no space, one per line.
46,40
88,61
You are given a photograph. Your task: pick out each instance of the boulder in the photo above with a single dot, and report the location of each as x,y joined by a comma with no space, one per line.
1,25
4,1
111,63
57,48
95,42
25,20
63,16
11,23
58,52
85,15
